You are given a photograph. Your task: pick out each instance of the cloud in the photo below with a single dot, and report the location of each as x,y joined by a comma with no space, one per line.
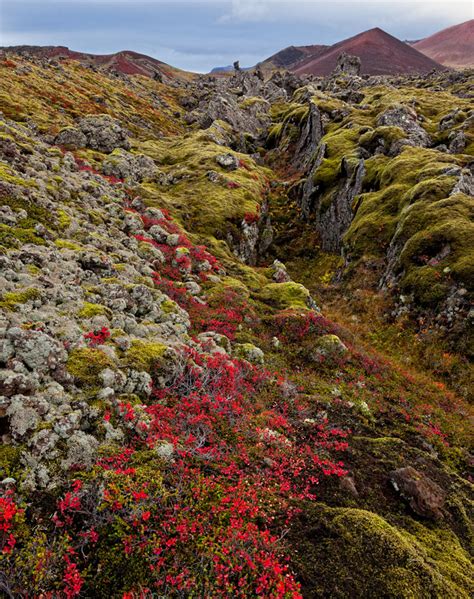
337,11
200,34
247,11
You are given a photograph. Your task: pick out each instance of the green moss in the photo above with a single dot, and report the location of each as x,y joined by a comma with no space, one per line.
384,136
10,460
351,552
144,355
64,219
7,175
90,310
249,102
67,245
11,299
86,363
201,206
286,295
169,307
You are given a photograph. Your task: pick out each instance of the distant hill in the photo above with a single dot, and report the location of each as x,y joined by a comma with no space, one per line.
380,54
126,61
453,47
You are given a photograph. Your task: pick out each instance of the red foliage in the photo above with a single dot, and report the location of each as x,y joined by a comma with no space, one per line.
97,337
8,513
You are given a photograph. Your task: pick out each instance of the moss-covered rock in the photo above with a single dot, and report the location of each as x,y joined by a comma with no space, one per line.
286,295
144,355
86,363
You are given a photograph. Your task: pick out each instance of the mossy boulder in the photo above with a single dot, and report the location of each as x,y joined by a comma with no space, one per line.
286,295
249,352
89,310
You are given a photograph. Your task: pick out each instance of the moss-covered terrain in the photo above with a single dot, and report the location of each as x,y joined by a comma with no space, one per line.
195,398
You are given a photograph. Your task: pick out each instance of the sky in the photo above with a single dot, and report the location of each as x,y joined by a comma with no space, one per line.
198,35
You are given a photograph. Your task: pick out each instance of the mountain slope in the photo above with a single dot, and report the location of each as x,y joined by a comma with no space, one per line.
125,62
380,54
453,47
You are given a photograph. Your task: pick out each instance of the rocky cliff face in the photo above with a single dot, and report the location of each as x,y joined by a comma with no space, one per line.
170,389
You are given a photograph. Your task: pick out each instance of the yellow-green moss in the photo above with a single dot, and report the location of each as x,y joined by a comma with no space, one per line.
67,245
11,299
144,355
169,307
356,553
286,295
90,310
86,363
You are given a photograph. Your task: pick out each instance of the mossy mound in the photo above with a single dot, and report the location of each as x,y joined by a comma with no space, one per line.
286,295
348,552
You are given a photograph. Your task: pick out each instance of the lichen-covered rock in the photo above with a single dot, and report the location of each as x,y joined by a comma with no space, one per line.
228,161
347,65
103,133
81,451
329,346
71,138
405,118
124,165
38,351
249,352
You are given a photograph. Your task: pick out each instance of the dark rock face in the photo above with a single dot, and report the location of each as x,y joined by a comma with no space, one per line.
309,139
347,64
425,497
308,192
334,222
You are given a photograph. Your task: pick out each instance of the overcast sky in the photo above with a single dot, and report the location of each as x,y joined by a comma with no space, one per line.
200,34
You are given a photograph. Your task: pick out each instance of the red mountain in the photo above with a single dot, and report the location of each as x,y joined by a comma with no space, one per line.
380,54
453,47
126,61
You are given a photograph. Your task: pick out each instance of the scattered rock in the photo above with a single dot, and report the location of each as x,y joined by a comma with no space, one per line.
425,497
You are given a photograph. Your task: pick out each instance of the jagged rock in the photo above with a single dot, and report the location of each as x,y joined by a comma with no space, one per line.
347,65
335,220
425,497
104,133
309,139
407,119
279,272
458,142
465,183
